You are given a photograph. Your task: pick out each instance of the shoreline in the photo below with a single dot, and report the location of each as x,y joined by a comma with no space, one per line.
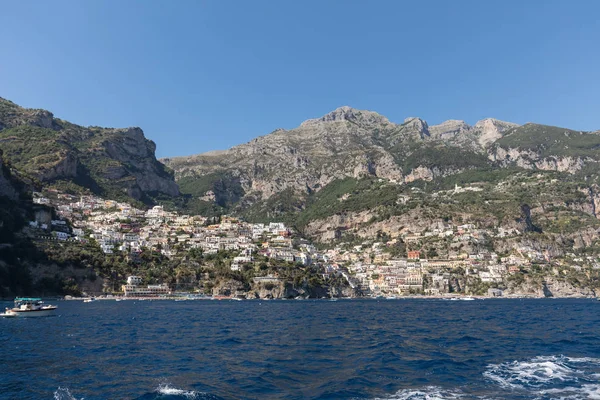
412,297
184,297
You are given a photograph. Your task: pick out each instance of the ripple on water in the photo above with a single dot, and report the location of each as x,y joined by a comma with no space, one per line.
412,350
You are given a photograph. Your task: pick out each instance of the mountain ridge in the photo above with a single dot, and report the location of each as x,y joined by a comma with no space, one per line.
362,139
319,175
448,191
116,162
279,175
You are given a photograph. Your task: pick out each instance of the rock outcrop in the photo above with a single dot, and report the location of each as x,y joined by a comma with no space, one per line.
7,188
11,115
280,290
449,129
529,159
114,163
490,130
345,113
548,286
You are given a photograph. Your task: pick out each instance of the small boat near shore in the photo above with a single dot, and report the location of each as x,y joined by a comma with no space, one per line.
29,307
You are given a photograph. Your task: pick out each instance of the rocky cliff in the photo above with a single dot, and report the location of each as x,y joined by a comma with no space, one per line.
115,163
7,187
548,148
548,286
282,290
32,267
343,143
355,174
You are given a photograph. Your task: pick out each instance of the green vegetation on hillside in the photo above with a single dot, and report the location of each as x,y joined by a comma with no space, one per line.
112,163
283,206
441,156
552,141
349,195
227,192
32,149
227,189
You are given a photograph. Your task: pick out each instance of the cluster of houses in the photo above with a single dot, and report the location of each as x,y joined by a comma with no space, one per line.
134,288
120,227
368,267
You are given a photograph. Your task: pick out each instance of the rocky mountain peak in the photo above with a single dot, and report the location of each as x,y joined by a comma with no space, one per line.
416,124
492,122
132,132
12,115
449,129
491,129
347,113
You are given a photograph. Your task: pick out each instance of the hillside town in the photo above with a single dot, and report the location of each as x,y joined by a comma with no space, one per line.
370,268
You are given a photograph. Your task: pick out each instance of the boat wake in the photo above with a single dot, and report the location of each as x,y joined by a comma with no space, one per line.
425,393
542,377
163,392
168,392
64,394
556,377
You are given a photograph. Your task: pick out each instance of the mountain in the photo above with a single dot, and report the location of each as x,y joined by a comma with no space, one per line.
344,143
353,173
114,163
494,189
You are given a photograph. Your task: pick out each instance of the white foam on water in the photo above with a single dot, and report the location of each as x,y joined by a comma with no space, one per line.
166,389
543,372
64,394
585,392
425,393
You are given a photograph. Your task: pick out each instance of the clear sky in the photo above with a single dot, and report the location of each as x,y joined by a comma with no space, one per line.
204,75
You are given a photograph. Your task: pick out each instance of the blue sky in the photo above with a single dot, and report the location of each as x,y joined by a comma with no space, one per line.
205,75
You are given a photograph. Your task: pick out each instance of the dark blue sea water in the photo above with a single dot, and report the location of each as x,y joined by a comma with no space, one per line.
347,349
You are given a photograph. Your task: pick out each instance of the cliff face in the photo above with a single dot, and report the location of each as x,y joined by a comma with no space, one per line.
344,143
116,163
281,290
304,159
549,286
25,267
7,188
547,148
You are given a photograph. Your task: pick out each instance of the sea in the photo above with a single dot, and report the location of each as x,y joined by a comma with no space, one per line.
305,349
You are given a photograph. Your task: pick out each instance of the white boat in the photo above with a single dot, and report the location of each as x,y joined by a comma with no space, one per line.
29,307
89,300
